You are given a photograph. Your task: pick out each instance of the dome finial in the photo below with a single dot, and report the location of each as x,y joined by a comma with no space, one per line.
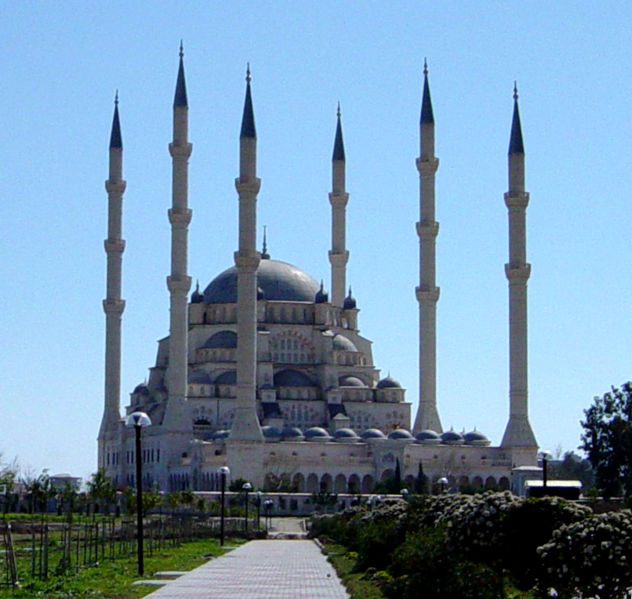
339,146
425,67
516,145
248,118
427,115
515,93
115,134
181,49
338,113
264,252
248,76
180,97
116,97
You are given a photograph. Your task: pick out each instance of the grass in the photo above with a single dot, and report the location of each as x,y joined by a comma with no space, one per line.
344,562
113,578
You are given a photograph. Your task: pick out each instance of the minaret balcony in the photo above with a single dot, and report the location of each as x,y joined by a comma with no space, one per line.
518,272
516,199
247,187
247,261
180,216
113,306
338,199
427,167
179,283
180,150
427,295
114,246
116,186
427,229
338,258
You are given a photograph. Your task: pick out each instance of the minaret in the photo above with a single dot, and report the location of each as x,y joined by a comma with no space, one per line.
178,282
245,425
338,198
427,292
518,432
113,305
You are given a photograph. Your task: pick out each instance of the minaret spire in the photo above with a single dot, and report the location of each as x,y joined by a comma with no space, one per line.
518,432
245,427
179,282
427,292
113,305
338,198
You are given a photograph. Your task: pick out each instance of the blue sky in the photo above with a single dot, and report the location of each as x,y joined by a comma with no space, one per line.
62,62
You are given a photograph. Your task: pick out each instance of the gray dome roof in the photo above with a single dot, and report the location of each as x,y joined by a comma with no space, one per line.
227,378
400,433
223,339
221,434
277,281
291,432
451,437
349,302
199,377
372,433
316,433
350,381
270,431
292,378
142,389
388,382
345,433
428,437
342,343
476,438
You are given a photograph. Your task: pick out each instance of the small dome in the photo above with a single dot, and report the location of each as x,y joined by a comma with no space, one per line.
476,438
388,382
271,432
451,437
316,433
199,377
350,381
372,433
399,433
196,296
223,339
141,389
349,302
341,343
345,434
292,378
227,378
218,435
291,433
321,296
428,437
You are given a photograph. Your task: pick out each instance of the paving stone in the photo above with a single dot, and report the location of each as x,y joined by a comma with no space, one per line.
260,570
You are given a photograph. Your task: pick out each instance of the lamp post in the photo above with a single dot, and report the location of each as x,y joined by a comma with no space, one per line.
267,506
224,471
137,421
404,494
545,456
246,488
259,496
443,482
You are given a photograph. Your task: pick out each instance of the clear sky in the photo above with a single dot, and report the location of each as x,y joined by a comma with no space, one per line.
61,63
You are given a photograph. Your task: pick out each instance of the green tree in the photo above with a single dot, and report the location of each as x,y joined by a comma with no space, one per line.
607,440
100,488
573,466
421,482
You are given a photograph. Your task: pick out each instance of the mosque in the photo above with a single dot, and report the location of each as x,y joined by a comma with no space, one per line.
267,374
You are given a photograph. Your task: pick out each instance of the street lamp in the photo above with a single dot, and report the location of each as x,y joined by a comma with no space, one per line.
267,506
443,482
545,456
138,420
404,493
246,488
259,496
224,471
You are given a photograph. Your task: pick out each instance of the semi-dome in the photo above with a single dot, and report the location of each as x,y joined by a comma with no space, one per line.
199,377
400,433
276,280
428,437
350,381
372,433
388,382
476,438
292,378
227,378
451,437
223,340
316,433
342,343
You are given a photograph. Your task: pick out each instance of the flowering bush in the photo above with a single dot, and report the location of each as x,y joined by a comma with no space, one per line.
592,557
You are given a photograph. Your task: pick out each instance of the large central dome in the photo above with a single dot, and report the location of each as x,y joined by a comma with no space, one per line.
275,279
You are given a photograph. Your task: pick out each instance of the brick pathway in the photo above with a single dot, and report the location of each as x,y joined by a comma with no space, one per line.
260,570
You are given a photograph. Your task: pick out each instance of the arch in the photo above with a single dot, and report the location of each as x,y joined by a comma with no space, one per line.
464,481
367,484
312,483
326,483
354,485
388,473
490,482
340,485
298,483
503,483
477,482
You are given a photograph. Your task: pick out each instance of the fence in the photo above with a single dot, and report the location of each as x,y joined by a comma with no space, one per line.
37,548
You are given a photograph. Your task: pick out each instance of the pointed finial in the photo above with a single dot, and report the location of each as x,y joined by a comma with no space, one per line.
197,285
516,145
248,118
264,253
515,94
425,67
181,49
180,97
338,113
115,135
116,98
339,146
248,76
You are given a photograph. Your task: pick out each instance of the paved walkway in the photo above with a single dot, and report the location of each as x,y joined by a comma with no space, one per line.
260,570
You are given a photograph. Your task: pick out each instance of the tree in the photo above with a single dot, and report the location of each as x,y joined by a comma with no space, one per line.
573,466
100,488
421,482
607,440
